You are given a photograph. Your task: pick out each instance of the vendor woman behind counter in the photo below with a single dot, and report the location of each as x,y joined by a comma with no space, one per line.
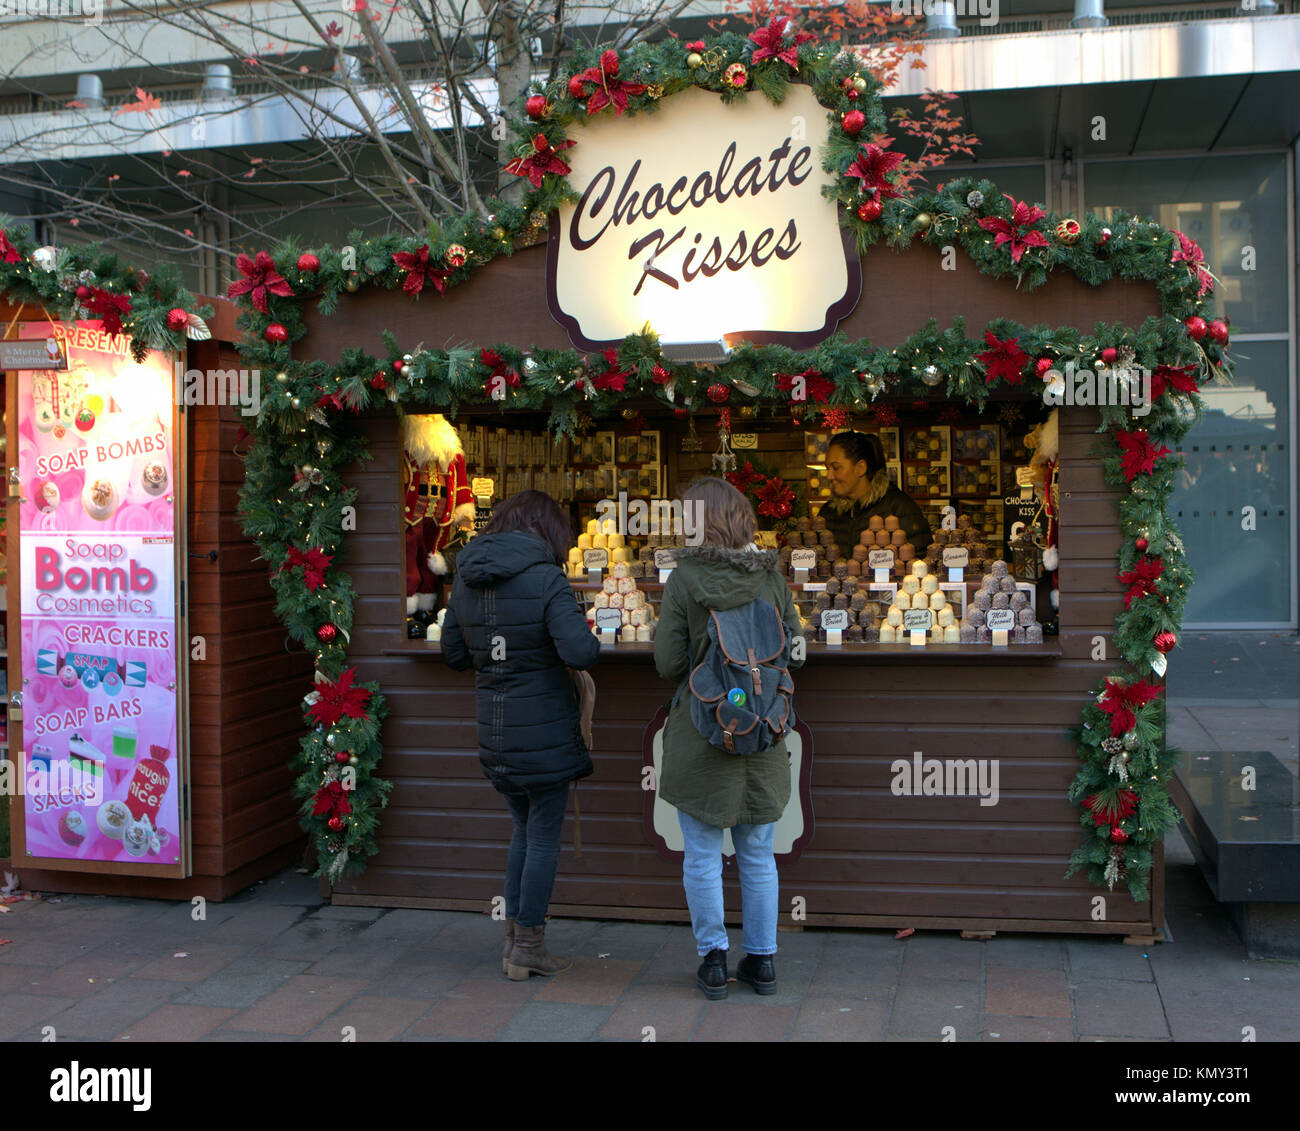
855,463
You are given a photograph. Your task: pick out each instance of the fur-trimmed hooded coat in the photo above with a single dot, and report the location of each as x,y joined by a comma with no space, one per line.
711,785
846,519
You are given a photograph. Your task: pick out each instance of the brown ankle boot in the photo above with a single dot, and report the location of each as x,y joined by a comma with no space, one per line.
510,945
530,955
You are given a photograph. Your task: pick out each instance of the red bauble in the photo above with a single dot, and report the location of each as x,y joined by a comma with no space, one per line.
379,381
177,319
327,633
1042,365
341,756
1164,641
398,365
308,262
846,84
276,333
1196,327
1219,332
1140,544
870,210
852,96
536,107
718,393
336,823
1109,354
1118,835
83,292
578,86
853,122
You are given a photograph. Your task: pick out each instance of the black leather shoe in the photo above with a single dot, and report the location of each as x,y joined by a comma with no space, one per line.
757,970
712,975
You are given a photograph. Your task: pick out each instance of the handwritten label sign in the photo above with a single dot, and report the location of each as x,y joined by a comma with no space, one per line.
803,559
1000,620
880,559
609,620
835,620
665,559
595,559
956,557
917,620
482,486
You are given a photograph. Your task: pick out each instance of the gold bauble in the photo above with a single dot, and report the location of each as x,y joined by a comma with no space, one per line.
859,84
351,285
924,220
694,60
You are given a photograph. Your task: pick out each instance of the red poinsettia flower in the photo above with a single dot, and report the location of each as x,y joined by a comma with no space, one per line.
886,415
1141,579
611,89
8,253
1120,703
543,159
613,377
314,562
1011,230
775,498
768,42
332,798
111,308
339,699
1139,454
871,165
745,477
1003,358
498,367
816,387
1174,378
420,271
1189,252
260,279
1111,809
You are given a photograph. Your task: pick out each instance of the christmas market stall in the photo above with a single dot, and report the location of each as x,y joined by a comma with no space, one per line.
150,708
713,271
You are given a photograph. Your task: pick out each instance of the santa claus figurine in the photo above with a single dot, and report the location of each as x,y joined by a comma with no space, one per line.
437,506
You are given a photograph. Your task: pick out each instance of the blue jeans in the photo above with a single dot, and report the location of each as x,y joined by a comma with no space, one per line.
702,878
534,849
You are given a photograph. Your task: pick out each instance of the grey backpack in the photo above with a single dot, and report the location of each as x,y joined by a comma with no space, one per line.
741,692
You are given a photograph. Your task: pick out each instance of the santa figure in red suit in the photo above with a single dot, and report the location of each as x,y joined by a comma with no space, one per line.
437,505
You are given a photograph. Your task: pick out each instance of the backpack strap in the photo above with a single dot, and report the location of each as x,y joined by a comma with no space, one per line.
755,674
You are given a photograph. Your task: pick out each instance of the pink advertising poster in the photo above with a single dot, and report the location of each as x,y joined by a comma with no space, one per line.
97,562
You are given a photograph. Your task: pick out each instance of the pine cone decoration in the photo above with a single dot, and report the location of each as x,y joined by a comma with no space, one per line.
1112,745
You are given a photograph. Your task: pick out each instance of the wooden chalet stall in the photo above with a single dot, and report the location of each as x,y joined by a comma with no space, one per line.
875,858
239,713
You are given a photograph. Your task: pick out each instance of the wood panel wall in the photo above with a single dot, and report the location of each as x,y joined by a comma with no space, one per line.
876,859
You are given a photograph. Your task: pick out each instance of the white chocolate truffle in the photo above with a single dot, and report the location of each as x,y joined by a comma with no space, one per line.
609,585
627,634
946,617
620,556
930,584
584,541
639,617
616,600
644,634
575,556
619,570
625,585
600,601
912,584
887,635
919,568
893,619
937,601
600,542
952,634
615,540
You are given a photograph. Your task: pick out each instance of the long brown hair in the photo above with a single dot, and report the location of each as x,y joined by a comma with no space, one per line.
532,512
724,514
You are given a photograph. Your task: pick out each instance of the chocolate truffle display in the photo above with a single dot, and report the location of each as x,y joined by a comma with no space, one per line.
992,595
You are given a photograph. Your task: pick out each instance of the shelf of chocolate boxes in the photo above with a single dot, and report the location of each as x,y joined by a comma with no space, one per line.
875,610
631,567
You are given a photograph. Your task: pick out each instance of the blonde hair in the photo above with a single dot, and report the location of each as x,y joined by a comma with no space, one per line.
722,513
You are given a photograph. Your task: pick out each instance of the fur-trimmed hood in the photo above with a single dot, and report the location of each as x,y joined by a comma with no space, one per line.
721,578
875,492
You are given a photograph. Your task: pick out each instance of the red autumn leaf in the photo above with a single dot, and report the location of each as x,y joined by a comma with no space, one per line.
143,104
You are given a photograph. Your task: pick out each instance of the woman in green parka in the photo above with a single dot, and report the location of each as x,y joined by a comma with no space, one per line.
711,789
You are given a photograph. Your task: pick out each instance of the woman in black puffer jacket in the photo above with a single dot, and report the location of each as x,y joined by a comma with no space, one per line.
512,616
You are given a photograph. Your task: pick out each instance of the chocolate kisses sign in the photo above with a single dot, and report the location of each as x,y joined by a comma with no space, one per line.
703,219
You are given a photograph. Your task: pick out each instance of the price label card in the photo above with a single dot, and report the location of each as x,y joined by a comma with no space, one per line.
595,559
666,559
814,587
1000,620
609,620
482,486
916,620
744,440
803,559
880,559
836,620
956,557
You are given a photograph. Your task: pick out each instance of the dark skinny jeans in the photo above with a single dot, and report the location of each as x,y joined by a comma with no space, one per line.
534,849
